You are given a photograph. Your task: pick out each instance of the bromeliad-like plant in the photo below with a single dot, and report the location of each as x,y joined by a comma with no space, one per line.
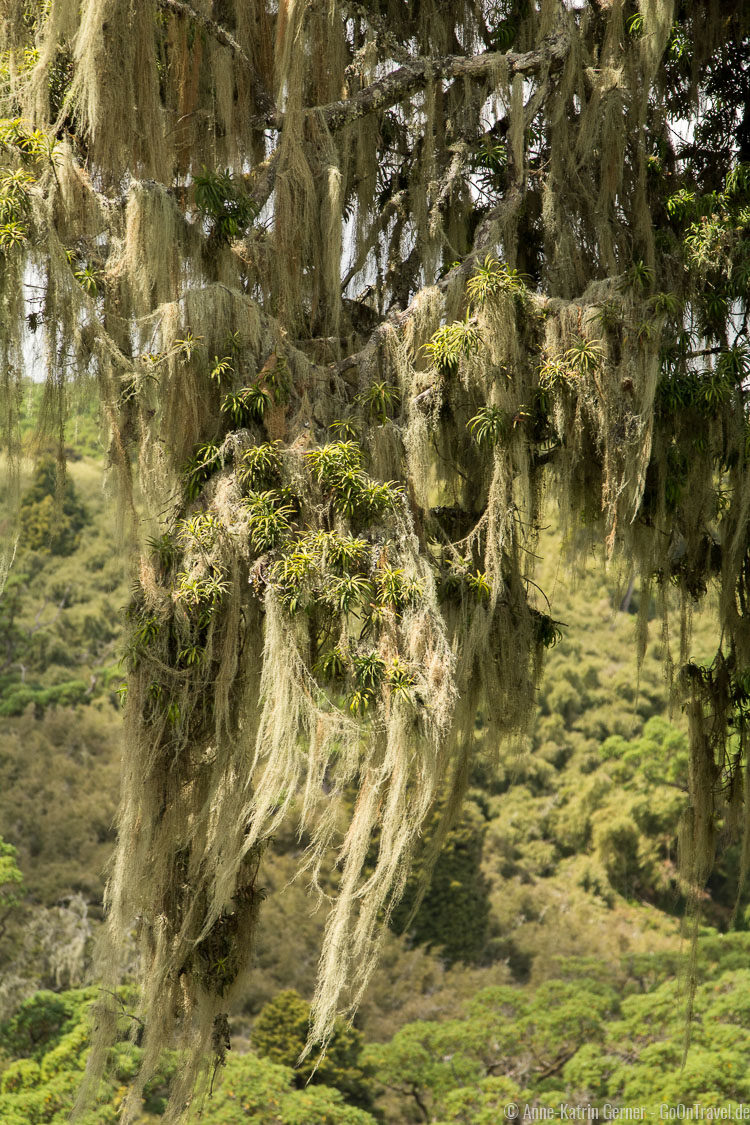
380,401
222,201
450,343
269,519
584,356
489,425
260,464
492,278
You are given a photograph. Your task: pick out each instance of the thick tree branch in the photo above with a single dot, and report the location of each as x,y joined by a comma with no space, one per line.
393,87
484,237
390,89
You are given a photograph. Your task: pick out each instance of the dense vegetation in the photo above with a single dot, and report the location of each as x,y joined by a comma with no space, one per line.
567,843
593,1034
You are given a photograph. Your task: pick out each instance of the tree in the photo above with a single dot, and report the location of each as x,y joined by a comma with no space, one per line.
11,886
44,1050
45,523
357,282
280,1034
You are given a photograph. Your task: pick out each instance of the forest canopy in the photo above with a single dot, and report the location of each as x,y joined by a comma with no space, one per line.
361,286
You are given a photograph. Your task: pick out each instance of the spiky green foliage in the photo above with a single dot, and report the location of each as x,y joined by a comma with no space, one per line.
521,202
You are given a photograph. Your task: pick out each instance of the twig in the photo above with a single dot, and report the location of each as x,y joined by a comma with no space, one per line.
130,1015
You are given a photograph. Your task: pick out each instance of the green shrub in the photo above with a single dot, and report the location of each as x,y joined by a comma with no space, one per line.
280,1034
51,520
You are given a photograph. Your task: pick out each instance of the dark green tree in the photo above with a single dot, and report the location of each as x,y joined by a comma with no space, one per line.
281,1032
51,518
447,908
366,281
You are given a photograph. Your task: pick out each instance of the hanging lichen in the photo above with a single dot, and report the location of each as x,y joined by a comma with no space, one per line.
361,287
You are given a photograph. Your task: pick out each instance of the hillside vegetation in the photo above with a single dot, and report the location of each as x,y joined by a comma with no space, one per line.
545,962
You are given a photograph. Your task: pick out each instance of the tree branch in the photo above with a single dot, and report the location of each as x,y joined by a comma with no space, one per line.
263,101
393,87
390,89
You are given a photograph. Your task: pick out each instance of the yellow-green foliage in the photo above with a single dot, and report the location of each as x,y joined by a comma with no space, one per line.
44,1045
573,1041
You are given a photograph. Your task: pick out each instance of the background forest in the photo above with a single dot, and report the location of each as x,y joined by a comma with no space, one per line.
545,963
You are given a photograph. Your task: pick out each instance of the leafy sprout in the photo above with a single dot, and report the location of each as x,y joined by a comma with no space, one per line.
714,308
187,345
197,591
666,304
204,462
269,519
190,656
90,280
369,671
395,589
331,665
555,373
584,356
479,584
734,364
289,576
221,368
359,701
450,343
332,461
492,158
223,202
400,679
257,401
639,277
337,467
163,550
15,183
380,401
199,531
260,464
345,552
249,404
491,278
12,236
347,592
235,406
345,430
681,205
488,425
147,630
716,390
